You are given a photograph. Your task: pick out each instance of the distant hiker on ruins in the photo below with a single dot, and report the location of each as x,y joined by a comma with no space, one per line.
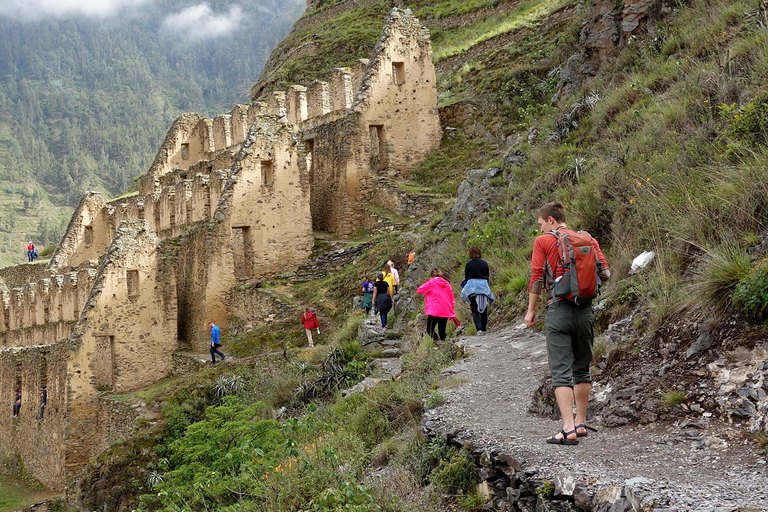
31,252
476,290
16,403
389,277
215,342
411,258
396,275
382,298
438,305
309,319
572,266
367,303
43,401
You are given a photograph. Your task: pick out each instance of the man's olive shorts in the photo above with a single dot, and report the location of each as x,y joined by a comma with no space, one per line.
570,333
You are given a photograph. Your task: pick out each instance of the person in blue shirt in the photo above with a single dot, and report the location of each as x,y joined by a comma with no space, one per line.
215,342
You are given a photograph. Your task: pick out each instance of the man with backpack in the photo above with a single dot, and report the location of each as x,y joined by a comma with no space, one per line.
571,266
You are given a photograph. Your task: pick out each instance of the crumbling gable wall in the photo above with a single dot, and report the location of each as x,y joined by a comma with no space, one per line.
261,225
378,118
124,339
398,98
87,236
269,201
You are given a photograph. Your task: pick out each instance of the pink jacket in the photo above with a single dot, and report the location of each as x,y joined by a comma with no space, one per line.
438,298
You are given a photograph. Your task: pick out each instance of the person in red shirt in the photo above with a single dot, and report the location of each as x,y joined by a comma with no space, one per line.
309,319
569,327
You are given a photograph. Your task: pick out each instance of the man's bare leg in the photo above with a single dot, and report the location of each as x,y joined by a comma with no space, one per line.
581,394
564,396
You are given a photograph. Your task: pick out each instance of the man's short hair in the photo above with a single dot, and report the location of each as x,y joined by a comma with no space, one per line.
474,252
554,210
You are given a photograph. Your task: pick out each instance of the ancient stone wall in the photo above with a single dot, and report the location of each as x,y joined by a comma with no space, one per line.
123,340
39,443
398,98
42,312
226,200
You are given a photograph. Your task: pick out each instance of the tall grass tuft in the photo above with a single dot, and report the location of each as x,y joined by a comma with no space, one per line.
721,270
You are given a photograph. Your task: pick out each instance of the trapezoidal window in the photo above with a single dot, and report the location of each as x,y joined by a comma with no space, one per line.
103,362
267,173
88,235
243,251
378,148
398,72
310,145
185,151
132,280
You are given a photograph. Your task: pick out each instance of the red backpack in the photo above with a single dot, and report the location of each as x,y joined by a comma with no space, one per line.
579,269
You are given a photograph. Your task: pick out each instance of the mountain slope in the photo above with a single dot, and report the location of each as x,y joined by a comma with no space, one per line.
85,101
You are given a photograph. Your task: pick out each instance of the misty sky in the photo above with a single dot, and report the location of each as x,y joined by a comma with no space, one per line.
193,20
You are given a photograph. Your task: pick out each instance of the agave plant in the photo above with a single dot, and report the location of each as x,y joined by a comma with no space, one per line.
227,385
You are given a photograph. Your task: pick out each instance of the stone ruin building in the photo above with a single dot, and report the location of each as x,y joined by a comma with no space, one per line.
230,198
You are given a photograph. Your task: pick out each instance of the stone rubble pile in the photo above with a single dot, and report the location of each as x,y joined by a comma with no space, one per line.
327,263
741,389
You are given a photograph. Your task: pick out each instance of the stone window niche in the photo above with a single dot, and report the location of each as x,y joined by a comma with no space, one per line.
103,362
398,72
310,145
185,151
243,250
378,147
267,173
88,235
132,281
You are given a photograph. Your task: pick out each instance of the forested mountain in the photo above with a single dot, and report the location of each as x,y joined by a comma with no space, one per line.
87,92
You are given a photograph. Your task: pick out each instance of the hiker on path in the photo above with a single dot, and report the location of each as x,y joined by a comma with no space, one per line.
438,305
367,303
16,403
215,342
396,275
309,320
43,401
389,277
569,324
31,252
382,298
476,290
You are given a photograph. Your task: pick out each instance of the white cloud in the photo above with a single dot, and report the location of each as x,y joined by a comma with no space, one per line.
200,22
37,9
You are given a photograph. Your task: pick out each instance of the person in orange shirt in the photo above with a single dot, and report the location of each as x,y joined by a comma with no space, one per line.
569,327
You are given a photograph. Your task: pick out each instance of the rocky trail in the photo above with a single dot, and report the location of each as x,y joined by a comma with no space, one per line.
698,463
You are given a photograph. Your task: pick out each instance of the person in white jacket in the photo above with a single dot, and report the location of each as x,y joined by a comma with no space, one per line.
395,274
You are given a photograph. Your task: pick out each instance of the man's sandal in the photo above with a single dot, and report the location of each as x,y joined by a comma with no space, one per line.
585,427
563,440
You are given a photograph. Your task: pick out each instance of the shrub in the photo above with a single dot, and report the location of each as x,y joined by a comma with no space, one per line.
722,269
351,497
750,296
749,122
456,473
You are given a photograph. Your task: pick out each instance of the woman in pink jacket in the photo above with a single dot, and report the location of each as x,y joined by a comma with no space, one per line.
438,304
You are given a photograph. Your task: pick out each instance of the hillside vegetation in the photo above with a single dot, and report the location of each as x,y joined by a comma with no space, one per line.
85,102
663,150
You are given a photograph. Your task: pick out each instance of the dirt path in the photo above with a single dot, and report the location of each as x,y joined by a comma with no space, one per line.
677,465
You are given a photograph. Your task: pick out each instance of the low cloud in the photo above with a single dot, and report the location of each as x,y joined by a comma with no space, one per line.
30,10
199,22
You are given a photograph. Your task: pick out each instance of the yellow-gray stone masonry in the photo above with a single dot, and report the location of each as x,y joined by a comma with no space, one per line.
226,199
